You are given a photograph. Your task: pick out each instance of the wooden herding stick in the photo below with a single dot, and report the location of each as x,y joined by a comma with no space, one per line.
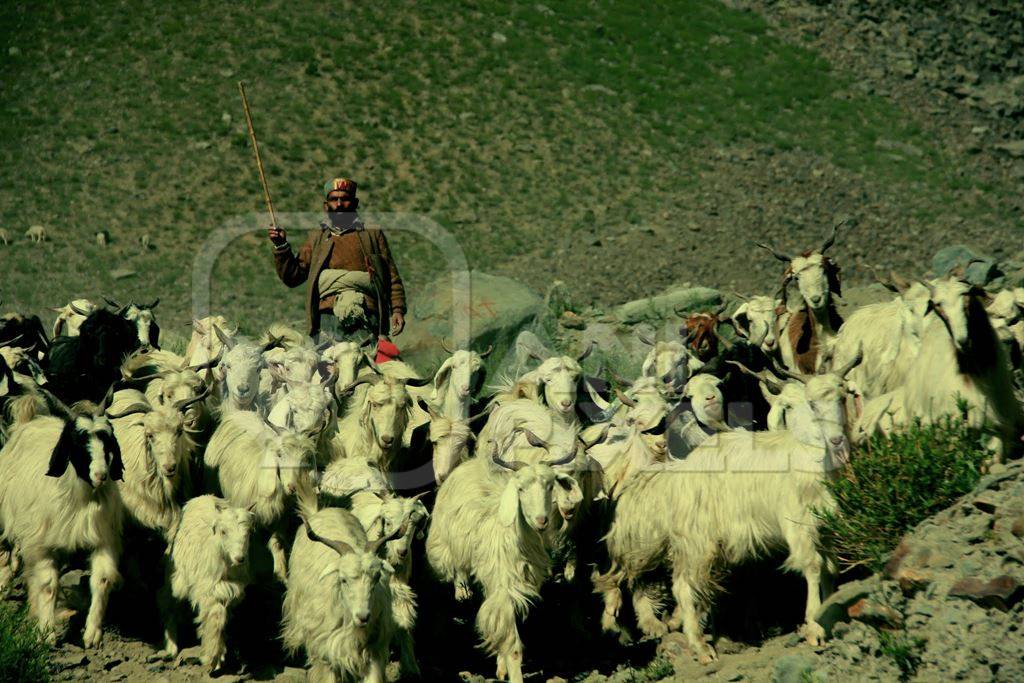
259,160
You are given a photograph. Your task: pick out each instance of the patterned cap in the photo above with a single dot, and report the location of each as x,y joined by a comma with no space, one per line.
344,184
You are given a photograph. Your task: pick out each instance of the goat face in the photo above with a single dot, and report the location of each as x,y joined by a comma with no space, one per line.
87,443
357,574
306,407
239,370
700,335
812,280
820,417
386,411
293,365
530,492
396,513
705,395
231,529
560,376
450,440
958,305
455,377
292,453
755,320
667,363
145,325
164,429
344,359
71,316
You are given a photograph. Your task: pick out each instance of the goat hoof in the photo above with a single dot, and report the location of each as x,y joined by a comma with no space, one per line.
707,655
92,637
653,628
814,634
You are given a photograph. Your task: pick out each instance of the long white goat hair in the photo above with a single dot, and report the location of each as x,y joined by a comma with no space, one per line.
206,567
41,515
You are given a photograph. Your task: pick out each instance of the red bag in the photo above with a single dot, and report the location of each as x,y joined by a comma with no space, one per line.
386,350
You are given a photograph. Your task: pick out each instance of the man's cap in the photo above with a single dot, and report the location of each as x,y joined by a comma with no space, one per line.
345,184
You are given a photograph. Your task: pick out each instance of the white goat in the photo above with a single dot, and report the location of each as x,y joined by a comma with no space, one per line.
400,520
36,233
75,506
669,363
961,358
71,316
729,500
156,451
239,372
262,466
490,525
807,318
755,321
451,392
207,567
204,343
337,606
554,383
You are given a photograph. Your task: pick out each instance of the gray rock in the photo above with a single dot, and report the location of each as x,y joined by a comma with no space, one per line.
836,608
489,308
980,269
668,303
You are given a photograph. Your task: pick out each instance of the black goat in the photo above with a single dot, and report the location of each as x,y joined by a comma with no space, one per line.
141,316
25,332
745,404
86,366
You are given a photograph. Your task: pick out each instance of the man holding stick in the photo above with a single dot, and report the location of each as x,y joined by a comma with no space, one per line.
353,280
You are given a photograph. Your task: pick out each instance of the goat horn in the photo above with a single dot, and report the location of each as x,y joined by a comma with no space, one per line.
619,379
777,254
587,351
600,438
739,296
484,413
764,375
786,372
107,398
854,362
151,306
444,345
721,309
224,338
490,347
324,345
831,239
208,364
76,309
54,403
536,356
625,400
339,547
725,342
374,546
562,461
134,409
184,403
366,342
515,465
644,338
275,342
418,381
535,440
111,302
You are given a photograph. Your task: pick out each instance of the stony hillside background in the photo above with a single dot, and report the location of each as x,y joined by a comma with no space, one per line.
616,149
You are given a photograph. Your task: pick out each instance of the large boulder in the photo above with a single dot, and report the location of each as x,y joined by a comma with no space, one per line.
491,308
978,269
665,305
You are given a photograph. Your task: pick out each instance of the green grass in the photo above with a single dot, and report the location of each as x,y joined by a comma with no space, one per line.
23,654
903,650
896,482
115,116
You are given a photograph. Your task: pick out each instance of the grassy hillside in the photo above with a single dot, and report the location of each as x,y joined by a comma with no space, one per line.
527,131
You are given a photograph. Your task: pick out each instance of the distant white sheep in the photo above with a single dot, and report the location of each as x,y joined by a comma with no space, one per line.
36,233
207,567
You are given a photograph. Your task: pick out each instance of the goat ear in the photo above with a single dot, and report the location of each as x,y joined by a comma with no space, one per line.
508,507
573,493
60,458
442,375
154,335
110,445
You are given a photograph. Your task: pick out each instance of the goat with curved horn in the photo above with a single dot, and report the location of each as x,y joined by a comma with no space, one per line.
853,362
831,239
339,547
777,254
227,341
76,309
565,460
785,372
208,364
183,404
515,465
111,302
133,409
373,546
535,440
151,306
484,354
765,376
587,351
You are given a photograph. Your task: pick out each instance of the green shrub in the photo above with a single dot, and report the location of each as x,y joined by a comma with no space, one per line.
903,650
897,481
23,654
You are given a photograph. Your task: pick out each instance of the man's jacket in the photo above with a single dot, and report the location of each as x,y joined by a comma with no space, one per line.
369,248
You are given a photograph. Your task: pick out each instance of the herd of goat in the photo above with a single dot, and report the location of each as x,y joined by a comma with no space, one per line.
716,452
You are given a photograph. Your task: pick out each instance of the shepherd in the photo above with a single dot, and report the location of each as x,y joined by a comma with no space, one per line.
354,283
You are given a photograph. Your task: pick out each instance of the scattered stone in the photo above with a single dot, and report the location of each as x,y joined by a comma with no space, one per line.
572,321
122,273
792,669
112,663
70,661
498,38
1018,526
873,613
1014,148
1002,592
598,88
666,304
14,51
836,608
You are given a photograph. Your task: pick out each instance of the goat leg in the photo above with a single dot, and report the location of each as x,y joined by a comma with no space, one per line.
103,570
